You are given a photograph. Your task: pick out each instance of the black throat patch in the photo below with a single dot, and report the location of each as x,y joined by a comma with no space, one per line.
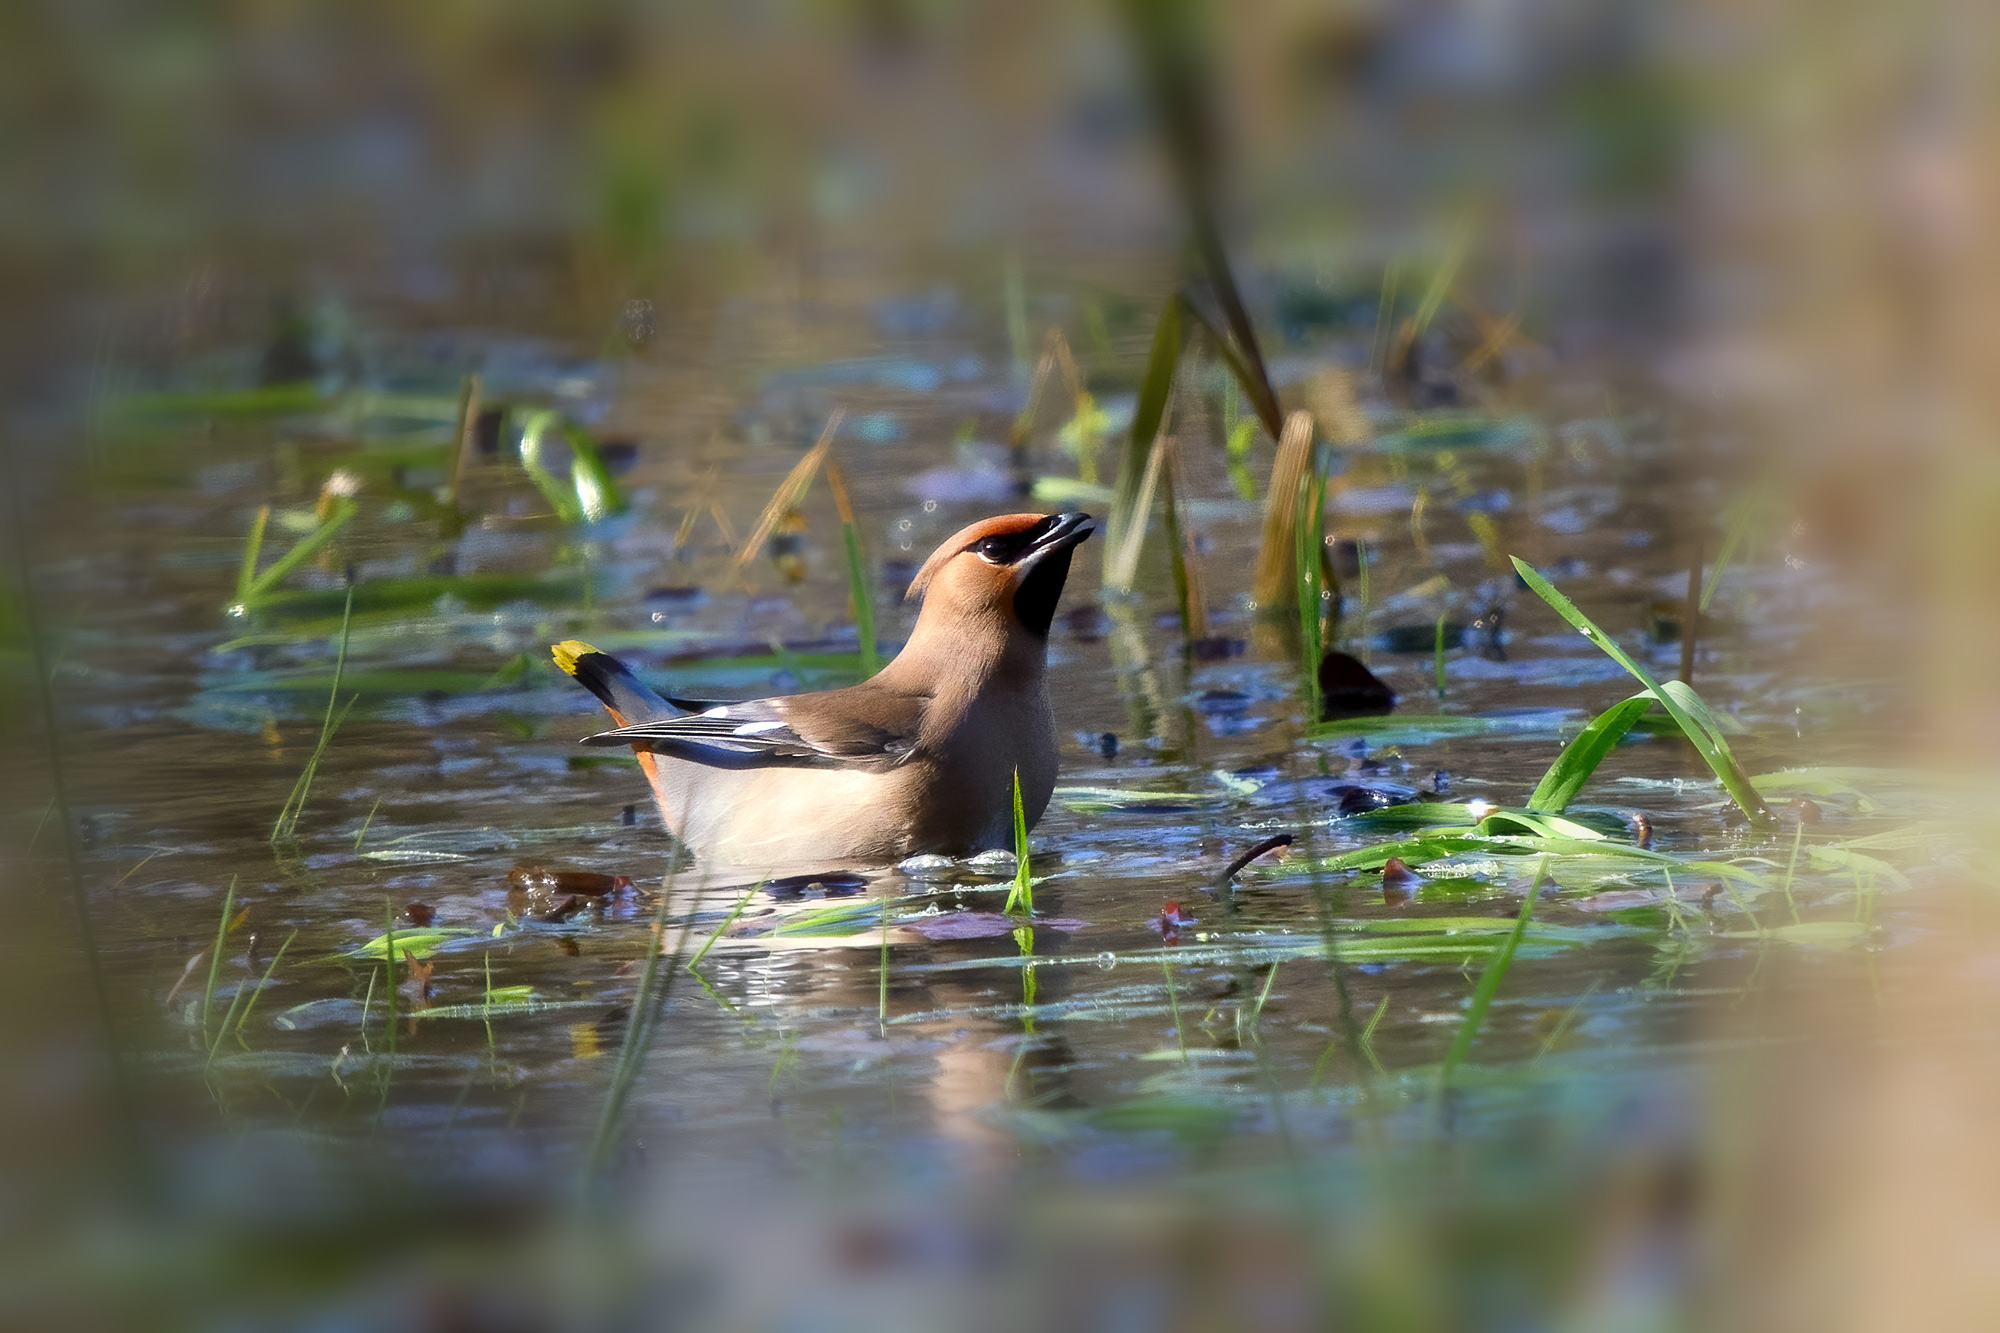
1035,600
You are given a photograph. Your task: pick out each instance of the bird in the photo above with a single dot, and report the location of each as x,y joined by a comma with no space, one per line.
919,759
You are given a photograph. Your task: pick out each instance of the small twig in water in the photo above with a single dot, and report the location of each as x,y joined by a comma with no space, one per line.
1269,844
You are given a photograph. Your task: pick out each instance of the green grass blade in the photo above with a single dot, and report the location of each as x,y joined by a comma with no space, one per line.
1741,515
1241,373
1366,1041
1190,587
864,602
857,570
462,435
1308,537
1174,44
561,498
729,921
363,831
1536,825
1241,436
246,573
655,986
597,492
269,971
1174,1006
215,956
1580,758
1385,313
389,995
1439,657
268,400
1701,729
1490,978
287,823
1022,895
343,510
1712,726
1443,275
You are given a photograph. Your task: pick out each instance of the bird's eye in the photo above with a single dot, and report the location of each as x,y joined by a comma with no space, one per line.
997,550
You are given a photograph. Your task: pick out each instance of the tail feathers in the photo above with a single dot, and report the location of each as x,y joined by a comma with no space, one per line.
628,699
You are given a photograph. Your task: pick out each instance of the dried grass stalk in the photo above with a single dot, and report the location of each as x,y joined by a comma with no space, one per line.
1277,569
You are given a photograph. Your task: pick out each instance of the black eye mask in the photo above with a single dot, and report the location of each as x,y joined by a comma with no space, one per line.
1007,547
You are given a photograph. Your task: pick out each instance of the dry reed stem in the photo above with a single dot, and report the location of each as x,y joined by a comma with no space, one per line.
1277,568
1121,562
790,492
463,442
836,481
1055,355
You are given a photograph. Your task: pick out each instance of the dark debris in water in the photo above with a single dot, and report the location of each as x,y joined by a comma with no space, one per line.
1349,689
795,888
1222,703
536,879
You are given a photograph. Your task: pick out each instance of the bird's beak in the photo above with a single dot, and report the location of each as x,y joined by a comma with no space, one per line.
1068,530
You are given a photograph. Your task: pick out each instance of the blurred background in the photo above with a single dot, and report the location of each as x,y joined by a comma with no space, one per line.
512,317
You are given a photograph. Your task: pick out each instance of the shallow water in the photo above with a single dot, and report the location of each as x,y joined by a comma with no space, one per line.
1101,1049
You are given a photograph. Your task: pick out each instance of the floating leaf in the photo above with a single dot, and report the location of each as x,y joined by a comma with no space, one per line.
1097,800
415,943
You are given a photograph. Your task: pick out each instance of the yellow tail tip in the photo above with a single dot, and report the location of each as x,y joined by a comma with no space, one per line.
567,652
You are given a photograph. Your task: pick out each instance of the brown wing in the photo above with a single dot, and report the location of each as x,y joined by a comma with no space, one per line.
859,727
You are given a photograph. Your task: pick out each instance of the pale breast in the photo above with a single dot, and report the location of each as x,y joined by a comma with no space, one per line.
953,797
787,820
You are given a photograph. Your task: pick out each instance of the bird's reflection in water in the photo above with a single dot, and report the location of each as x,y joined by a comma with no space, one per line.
985,1052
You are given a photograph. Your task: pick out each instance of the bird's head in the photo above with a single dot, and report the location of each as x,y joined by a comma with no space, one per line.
1008,569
